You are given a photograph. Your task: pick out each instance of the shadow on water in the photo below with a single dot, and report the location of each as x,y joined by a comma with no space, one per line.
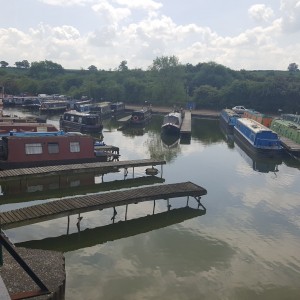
115,231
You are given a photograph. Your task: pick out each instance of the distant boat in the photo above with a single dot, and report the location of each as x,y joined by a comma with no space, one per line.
141,117
172,123
6,128
257,137
261,118
117,108
102,109
228,117
53,106
288,128
73,120
36,149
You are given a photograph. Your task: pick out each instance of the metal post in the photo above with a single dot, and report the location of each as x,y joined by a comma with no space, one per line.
187,200
126,212
153,207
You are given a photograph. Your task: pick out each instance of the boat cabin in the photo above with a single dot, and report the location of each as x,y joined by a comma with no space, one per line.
79,121
23,150
102,109
53,106
140,117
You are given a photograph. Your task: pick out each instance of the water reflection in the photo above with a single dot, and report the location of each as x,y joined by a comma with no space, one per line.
259,162
111,232
39,188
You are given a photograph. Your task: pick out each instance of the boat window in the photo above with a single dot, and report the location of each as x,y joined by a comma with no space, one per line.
72,119
80,120
74,147
53,148
35,148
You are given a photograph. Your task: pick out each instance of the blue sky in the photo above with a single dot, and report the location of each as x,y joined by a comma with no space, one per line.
246,34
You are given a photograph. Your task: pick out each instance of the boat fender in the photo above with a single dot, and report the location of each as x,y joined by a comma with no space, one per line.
151,171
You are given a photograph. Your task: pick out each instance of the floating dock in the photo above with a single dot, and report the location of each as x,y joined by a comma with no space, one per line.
186,127
81,204
290,145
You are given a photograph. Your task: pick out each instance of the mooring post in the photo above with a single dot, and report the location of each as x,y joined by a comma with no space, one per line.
126,212
153,207
168,204
187,200
68,227
132,172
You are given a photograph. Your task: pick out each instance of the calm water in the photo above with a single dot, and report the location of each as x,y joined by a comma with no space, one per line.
246,245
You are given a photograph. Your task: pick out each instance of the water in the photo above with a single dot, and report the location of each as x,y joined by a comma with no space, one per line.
246,245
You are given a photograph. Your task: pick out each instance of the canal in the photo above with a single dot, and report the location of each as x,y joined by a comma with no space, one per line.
245,246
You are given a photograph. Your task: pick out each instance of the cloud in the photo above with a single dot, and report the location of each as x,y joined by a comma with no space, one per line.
261,13
137,4
290,15
111,14
66,2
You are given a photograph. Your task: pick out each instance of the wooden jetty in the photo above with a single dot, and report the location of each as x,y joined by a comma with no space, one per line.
104,167
290,145
186,127
81,204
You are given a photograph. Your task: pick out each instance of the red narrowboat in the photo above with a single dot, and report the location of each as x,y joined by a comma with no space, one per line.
25,150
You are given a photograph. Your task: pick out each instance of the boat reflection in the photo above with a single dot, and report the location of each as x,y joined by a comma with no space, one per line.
115,231
170,141
41,188
227,131
260,162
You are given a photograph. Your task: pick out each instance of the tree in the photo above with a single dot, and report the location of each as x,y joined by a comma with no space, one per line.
123,66
3,64
22,64
92,68
46,67
293,67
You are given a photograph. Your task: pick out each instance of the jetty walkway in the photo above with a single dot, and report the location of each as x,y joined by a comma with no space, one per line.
104,167
81,204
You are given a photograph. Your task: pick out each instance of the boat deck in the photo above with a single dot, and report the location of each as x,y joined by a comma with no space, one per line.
289,144
81,204
77,168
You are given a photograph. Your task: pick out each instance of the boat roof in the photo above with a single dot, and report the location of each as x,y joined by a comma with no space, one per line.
231,112
288,123
253,125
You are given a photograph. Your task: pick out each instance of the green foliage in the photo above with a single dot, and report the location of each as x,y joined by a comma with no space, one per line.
166,83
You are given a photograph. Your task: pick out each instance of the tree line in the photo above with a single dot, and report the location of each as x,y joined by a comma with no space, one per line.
166,82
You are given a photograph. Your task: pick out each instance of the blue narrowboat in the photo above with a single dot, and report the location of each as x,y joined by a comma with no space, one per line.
257,137
228,117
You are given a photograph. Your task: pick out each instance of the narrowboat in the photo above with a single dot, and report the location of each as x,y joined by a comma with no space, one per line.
228,117
7,127
33,103
289,133
172,123
257,137
291,117
36,149
81,122
102,109
54,106
117,108
261,118
141,117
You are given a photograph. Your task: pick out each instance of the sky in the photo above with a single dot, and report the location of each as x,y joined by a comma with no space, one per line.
247,34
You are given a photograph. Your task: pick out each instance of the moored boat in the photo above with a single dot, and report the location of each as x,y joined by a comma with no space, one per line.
141,117
257,137
228,117
35,149
7,127
117,108
172,123
289,133
53,106
261,118
102,109
81,122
